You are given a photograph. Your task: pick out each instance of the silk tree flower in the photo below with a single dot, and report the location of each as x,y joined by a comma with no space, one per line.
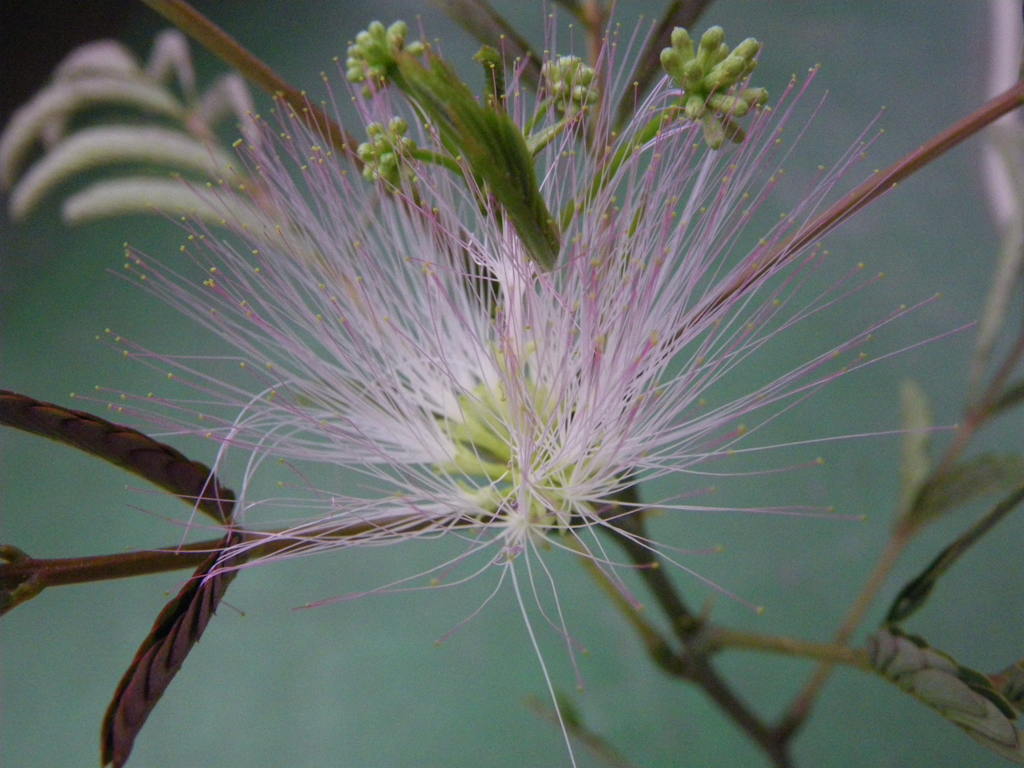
427,365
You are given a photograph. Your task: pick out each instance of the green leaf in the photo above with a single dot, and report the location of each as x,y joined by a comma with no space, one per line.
916,462
1012,396
962,695
914,594
491,144
1010,682
989,473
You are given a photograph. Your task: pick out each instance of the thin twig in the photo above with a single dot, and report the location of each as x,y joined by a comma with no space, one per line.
573,6
658,646
975,416
57,572
255,70
488,26
596,743
720,638
595,18
800,708
865,193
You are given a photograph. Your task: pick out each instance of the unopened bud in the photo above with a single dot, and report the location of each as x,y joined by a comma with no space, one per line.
709,77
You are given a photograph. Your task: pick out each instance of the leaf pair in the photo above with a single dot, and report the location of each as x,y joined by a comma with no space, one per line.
183,620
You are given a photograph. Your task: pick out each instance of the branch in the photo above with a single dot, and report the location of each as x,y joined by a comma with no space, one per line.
593,741
719,638
184,619
695,665
976,415
488,26
870,190
221,44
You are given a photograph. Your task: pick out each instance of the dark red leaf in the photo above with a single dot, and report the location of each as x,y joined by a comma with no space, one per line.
127,448
178,627
183,620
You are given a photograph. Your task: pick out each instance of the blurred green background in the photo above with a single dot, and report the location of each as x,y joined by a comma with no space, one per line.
362,684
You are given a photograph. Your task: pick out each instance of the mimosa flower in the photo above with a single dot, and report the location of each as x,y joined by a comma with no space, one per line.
429,364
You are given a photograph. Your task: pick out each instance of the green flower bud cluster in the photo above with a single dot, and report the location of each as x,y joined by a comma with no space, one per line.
372,55
709,75
570,82
383,155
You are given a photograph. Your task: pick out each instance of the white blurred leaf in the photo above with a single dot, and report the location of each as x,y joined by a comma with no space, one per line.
169,197
95,147
58,100
169,55
102,57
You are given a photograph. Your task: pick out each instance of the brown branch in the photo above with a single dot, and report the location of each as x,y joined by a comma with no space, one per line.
488,26
59,572
694,665
679,13
594,16
182,621
255,70
867,192
22,569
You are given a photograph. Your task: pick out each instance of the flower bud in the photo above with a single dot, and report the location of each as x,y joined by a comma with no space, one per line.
570,82
709,78
372,55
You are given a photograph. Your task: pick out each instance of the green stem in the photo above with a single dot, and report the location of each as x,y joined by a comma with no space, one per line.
193,23
593,741
540,110
720,638
436,158
647,133
537,141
